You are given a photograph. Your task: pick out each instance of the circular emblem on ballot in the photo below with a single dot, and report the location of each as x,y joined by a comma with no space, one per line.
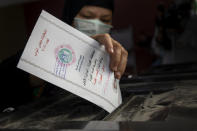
65,54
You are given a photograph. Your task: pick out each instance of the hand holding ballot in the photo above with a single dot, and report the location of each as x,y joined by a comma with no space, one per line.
63,56
118,55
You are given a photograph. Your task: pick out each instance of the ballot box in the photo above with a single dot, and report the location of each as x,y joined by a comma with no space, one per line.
165,93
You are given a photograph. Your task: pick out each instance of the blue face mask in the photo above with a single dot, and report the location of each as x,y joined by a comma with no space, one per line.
91,26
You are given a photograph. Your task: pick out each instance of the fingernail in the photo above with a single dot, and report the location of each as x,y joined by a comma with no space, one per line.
118,75
111,50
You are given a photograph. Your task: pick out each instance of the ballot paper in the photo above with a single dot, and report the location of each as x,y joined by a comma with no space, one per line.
69,59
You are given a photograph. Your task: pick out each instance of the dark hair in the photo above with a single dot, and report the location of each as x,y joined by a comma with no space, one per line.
72,7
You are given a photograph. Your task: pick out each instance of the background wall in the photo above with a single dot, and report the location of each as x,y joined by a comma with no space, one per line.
12,30
140,14
17,20
13,2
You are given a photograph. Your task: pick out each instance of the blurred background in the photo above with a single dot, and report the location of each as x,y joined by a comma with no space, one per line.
155,32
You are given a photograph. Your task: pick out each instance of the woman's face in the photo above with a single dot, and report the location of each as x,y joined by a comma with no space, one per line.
94,12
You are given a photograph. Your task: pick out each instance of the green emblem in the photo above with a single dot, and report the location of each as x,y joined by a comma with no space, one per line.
65,56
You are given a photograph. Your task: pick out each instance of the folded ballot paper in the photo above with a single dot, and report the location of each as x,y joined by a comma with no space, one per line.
63,56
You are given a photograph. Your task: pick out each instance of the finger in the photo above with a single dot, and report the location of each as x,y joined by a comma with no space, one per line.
122,64
106,40
115,58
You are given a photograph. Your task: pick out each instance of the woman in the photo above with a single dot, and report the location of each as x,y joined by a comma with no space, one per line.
93,17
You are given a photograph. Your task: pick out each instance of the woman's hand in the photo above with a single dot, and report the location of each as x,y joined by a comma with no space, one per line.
118,55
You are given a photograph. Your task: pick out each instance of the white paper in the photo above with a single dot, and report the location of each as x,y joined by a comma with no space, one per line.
60,54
